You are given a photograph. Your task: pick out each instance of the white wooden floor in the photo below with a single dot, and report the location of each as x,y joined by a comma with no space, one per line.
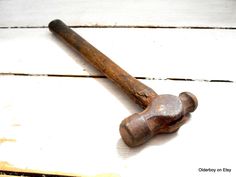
50,125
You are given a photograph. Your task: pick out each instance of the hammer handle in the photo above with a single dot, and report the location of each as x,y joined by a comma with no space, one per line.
139,92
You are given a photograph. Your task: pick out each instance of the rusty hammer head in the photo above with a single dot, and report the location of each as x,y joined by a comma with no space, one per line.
165,114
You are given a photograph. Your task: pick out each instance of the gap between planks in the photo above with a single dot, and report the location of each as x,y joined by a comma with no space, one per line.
124,26
102,76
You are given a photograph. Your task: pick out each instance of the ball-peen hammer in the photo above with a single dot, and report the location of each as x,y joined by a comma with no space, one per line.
162,113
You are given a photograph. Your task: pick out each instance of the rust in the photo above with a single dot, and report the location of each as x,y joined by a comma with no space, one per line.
162,113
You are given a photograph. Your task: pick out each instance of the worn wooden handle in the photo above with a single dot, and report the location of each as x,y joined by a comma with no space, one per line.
139,92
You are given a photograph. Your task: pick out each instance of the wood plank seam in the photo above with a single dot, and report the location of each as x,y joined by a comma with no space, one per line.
102,76
124,26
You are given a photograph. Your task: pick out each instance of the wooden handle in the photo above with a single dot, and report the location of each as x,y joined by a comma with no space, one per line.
139,92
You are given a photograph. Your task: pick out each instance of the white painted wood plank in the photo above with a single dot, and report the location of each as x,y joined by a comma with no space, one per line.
112,12
53,124
159,53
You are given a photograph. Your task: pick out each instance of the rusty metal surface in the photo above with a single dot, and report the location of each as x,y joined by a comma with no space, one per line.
165,114
162,113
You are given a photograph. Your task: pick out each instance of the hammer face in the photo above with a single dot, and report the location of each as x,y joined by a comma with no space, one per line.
134,130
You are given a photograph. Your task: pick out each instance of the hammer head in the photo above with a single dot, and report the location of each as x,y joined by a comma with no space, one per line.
165,114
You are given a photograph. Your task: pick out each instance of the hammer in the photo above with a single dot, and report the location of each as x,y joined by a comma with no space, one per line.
162,113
